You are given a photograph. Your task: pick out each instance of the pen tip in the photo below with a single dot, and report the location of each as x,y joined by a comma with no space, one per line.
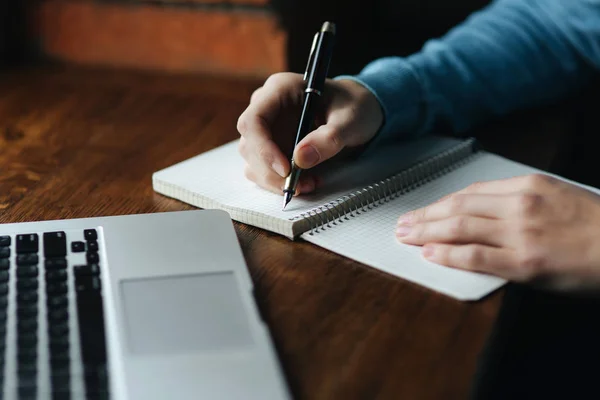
287,197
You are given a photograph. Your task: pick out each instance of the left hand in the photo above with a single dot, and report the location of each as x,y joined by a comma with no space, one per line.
526,229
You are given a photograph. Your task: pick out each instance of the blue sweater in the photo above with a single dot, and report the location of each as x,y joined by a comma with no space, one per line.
510,55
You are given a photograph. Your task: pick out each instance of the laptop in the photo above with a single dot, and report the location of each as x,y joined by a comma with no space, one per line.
149,306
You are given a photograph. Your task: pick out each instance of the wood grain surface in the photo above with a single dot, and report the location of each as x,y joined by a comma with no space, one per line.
84,143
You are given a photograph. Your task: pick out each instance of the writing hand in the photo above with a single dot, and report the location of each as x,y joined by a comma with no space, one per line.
350,116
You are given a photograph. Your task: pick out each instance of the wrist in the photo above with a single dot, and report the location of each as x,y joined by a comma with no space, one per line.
398,92
367,104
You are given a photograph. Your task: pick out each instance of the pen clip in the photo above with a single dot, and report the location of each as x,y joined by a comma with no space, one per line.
311,56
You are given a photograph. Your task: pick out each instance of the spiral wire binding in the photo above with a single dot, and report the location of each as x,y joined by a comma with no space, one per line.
388,189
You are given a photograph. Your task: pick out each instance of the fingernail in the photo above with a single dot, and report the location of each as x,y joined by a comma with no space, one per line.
310,156
402,231
404,219
279,169
427,251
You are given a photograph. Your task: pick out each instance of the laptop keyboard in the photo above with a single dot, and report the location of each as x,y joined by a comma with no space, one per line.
52,341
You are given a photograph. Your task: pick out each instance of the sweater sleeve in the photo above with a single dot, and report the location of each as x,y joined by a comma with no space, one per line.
510,55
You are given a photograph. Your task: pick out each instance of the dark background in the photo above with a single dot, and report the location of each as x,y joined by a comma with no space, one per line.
367,30
16,36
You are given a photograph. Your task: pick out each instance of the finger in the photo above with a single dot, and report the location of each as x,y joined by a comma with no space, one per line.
500,262
271,182
255,94
511,185
458,230
254,126
268,101
476,205
256,157
260,150
323,143
274,183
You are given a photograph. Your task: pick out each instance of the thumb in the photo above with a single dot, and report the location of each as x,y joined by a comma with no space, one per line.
319,145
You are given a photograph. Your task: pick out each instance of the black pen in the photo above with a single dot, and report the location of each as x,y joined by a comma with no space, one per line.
315,75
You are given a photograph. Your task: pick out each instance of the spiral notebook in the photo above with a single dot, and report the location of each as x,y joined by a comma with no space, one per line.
355,212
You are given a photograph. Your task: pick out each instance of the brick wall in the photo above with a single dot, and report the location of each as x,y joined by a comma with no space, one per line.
234,37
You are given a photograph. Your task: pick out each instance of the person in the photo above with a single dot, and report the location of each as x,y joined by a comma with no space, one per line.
511,55
532,230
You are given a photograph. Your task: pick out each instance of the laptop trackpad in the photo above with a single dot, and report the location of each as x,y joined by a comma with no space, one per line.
184,314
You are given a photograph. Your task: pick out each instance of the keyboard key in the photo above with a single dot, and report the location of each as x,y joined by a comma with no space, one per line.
57,288
3,315
27,352
90,234
92,377
27,325
60,301
55,244
27,355
59,372
92,258
88,284
4,252
92,245
4,264
27,297
60,383
27,376
61,359
59,344
60,378
77,247
28,284
27,271
27,392
28,243
27,259
27,339
29,311
56,330
3,289
59,315
4,275
56,263
86,270
5,241
27,381
57,275
60,394
27,369
91,328
3,302
101,390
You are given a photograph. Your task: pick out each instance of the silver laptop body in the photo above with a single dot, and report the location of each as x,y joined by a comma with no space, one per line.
150,306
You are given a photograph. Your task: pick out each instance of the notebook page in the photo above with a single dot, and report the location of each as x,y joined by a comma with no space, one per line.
218,176
369,237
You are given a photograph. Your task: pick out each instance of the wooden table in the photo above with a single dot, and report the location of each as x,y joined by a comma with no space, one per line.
83,143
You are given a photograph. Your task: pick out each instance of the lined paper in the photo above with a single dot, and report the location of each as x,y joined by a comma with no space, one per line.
369,237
